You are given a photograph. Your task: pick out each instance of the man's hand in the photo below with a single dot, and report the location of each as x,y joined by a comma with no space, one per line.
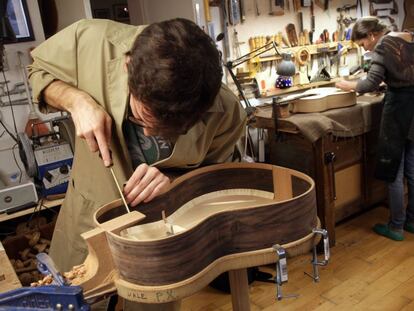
91,121
146,183
93,124
346,85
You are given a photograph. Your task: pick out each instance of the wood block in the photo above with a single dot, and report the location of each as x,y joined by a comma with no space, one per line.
8,277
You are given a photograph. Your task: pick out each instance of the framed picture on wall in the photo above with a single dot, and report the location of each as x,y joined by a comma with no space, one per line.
121,13
19,18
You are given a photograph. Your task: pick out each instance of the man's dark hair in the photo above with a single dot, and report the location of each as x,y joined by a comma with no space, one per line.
175,71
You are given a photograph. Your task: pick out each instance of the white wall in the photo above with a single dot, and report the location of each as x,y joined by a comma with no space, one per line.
70,12
150,11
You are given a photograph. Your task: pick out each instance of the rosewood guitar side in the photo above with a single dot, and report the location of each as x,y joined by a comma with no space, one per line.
289,215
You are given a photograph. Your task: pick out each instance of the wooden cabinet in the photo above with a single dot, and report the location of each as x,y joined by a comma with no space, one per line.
343,168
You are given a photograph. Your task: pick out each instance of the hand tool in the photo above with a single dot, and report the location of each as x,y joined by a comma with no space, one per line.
300,19
276,7
117,185
374,11
119,189
256,6
291,33
326,5
312,23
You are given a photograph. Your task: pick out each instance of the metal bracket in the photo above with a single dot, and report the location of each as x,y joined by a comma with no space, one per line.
281,272
315,262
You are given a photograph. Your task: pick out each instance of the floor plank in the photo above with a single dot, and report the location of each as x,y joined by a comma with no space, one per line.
366,272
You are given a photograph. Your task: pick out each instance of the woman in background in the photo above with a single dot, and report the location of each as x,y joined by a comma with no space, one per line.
393,63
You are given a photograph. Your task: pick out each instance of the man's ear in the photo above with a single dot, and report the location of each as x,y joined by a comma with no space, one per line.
127,60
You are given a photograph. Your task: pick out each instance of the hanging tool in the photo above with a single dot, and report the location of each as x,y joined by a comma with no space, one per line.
277,7
312,23
374,11
242,11
234,12
296,5
256,6
325,36
300,19
291,33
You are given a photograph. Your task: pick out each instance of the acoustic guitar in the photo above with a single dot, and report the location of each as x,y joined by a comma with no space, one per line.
214,219
322,99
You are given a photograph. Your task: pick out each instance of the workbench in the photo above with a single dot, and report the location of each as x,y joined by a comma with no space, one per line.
42,205
340,161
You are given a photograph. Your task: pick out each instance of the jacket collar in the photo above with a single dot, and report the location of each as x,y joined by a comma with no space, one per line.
123,37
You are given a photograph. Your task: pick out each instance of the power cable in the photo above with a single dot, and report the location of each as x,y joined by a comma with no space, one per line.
12,110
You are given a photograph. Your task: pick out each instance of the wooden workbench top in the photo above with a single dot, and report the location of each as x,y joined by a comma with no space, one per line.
359,116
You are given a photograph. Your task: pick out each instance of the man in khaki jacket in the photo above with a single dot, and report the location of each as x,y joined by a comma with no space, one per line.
166,77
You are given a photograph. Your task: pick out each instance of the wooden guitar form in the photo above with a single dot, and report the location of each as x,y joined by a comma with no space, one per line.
408,23
214,219
323,98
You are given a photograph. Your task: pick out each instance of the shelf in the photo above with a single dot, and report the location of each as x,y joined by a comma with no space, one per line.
275,91
313,49
46,204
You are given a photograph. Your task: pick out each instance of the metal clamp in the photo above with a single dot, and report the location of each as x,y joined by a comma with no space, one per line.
281,272
315,262
46,266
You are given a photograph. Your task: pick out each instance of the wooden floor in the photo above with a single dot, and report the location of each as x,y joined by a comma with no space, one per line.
366,272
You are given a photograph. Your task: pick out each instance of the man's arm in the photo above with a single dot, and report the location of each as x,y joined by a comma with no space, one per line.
54,79
91,121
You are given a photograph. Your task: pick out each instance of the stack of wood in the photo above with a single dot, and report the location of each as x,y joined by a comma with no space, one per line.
32,237
26,264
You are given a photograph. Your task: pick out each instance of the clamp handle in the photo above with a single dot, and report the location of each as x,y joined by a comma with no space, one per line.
46,266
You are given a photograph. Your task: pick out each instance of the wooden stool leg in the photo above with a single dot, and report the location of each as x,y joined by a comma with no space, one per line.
239,286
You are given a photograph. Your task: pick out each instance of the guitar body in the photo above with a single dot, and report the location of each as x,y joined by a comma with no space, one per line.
219,218
408,23
322,99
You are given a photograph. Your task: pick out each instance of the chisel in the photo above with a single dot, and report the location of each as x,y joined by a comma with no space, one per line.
119,189
117,184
